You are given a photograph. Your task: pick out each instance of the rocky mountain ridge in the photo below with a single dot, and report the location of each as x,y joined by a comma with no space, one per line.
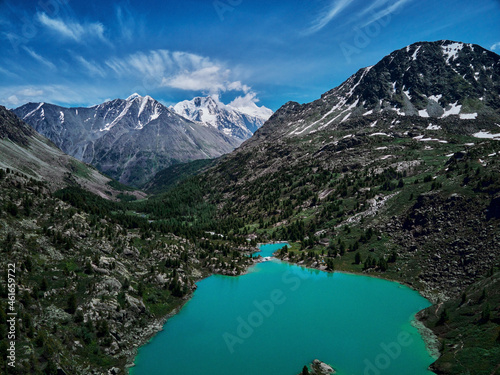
439,81
131,139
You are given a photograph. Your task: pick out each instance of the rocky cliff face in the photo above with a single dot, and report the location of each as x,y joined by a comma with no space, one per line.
130,140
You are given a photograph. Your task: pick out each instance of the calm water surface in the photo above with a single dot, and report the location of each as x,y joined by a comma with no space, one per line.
279,317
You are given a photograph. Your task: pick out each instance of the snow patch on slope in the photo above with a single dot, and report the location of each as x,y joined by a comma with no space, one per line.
450,51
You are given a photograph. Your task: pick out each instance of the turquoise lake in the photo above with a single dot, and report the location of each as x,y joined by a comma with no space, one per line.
279,317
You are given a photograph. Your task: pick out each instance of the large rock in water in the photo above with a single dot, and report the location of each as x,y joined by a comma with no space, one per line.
320,368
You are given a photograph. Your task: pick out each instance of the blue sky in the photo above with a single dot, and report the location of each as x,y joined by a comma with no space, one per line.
81,53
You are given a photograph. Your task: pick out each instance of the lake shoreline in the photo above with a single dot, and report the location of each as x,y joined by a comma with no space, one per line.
157,325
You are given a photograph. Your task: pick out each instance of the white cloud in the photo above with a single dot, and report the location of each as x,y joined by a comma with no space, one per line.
329,14
248,104
130,23
39,58
371,8
387,10
12,101
14,96
30,92
495,46
153,72
73,30
178,70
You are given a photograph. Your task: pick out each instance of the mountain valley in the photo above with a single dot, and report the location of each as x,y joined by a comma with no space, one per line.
393,174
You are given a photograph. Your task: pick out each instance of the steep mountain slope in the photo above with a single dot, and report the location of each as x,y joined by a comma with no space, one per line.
24,150
469,327
227,119
129,140
394,173
442,81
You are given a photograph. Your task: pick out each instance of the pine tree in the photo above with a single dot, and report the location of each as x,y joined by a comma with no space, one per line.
483,295
71,304
305,371
486,313
357,258
443,318
44,285
464,298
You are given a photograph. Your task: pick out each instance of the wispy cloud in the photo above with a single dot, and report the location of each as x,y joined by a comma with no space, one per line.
71,29
13,97
211,79
387,8
39,58
92,67
131,23
8,73
495,46
371,7
328,15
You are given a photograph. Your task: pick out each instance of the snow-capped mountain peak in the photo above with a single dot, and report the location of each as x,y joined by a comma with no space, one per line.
247,105
233,119
133,96
123,137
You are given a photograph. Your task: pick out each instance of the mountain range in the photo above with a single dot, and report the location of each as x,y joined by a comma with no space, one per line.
394,174
131,140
